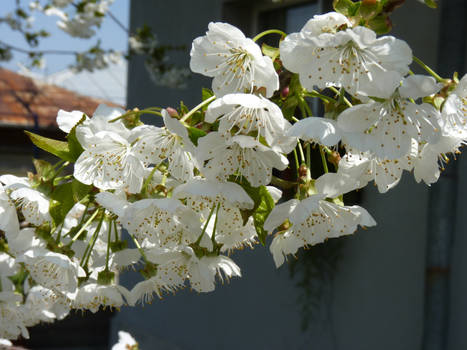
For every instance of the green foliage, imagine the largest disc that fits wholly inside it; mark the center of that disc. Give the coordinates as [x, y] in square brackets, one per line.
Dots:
[64, 197]
[263, 205]
[373, 14]
[57, 148]
[205, 94]
[44, 169]
[346, 7]
[431, 3]
[194, 134]
[74, 146]
[270, 51]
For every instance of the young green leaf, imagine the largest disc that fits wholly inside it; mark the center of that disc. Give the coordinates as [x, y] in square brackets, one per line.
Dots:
[56, 147]
[194, 134]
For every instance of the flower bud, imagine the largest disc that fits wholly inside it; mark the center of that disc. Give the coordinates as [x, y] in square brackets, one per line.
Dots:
[172, 112]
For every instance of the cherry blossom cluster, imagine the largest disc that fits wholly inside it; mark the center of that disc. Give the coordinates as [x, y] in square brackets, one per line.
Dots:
[174, 201]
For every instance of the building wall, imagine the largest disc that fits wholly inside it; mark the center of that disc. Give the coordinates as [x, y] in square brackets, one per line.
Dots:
[376, 300]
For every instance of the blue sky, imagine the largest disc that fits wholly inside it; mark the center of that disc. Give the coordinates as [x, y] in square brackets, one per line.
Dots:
[111, 35]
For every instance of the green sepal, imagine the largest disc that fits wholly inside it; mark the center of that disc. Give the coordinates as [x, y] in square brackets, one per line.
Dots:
[118, 246]
[105, 277]
[149, 270]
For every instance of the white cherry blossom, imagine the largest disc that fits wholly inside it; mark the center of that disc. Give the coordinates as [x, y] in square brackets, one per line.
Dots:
[154, 145]
[220, 203]
[319, 130]
[235, 62]
[109, 162]
[34, 205]
[11, 317]
[8, 218]
[241, 156]
[246, 113]
[387, 128]
[313, 220]
[386, 173]
[125, 341]
[53, 270]
[92, 296]
[165, 222]
[352, 58]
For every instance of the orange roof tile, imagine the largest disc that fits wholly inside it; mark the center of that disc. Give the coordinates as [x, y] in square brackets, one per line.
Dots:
[21, 97]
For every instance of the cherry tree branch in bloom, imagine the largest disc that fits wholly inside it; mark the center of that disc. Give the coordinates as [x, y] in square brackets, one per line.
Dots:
[189, 193]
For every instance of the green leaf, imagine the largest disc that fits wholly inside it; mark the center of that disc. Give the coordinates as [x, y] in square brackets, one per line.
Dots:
[369, 10]
[64, 197]
[270, 51]
[431, 3]
[206, 93]
[44, 169]
[346, 7]
[289, 106]
[194, 134]
[56, 147]
[79, 190]
[61, 202]
[73, 144]
[263, 204]
[183, 109]
[381, 24]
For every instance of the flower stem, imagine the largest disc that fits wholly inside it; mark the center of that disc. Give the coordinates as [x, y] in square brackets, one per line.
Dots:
[308, 156]
[150, 110]
[281, 183]
[314, 93]
[297, 163]
[428, 69]
[190, 113]
[270, 31]
[323, 159]
[347, 102]
[92, 242]
[205, 226]
[108, 246]
[81, 230]
[213, 237]
[117, 238]
[138, 246]
[300, 149]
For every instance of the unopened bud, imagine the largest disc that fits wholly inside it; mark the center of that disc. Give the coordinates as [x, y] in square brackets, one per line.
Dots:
[172, 111]
[285, 91]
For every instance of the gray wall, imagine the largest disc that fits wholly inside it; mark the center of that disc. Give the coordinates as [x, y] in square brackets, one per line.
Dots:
[377, 297]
